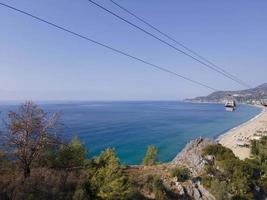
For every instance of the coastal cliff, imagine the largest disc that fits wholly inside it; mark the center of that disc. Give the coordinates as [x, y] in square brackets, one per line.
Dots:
[191, 155]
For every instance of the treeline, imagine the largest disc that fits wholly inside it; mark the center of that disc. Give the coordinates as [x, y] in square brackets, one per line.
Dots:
[228, 177]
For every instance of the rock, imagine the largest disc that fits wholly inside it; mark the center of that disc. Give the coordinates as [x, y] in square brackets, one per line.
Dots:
[191, 155]
[180, 188]
[197, 192]
[210, 158]
[205, 194]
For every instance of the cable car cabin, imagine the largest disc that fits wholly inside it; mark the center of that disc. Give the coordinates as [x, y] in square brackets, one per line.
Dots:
[230, 106]
[264, 102]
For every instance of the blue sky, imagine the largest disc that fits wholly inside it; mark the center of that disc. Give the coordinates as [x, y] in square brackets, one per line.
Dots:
[38, 62]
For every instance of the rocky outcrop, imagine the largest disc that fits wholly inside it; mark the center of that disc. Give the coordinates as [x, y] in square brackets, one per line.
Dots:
[198, 192]
[190, 189]
[191, 155]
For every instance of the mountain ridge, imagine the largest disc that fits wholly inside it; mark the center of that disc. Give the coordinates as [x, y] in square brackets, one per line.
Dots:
[251, 95]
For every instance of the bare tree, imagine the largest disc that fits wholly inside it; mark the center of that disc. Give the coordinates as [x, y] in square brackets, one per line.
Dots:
[29, 132]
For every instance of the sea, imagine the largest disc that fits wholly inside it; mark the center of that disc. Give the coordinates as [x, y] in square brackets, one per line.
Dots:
[130, 126]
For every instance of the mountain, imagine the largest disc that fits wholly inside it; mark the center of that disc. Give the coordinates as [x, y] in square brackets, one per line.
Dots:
[243, 96]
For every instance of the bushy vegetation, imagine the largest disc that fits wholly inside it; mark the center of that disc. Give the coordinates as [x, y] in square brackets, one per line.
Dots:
[220, 152]
[153, 184]
[181, 173]
[72, 155]
[217, 188]
[151, 156]
[259, 149]
[230, 178]
[106, 179]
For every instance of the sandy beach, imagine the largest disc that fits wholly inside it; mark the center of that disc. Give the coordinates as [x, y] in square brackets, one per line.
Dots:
[239, 137]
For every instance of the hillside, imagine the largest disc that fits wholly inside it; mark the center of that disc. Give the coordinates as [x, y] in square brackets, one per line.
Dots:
[248, 96]
[51, 169]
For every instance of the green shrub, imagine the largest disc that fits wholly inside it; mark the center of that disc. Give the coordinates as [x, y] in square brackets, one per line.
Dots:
[263, 183]
[151, 156]
[254, 147]
[71, 155]
[181, 173]
[108, 182]
[230, 176]
[47, 157]
[238, 197]
[219, 189]
[207, 181]
[259, 149]
[220, 152]
[107, 158]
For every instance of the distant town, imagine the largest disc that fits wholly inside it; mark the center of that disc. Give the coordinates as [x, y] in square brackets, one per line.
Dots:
[255, 96]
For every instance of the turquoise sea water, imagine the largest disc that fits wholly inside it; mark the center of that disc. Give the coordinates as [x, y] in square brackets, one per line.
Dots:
[130, 127]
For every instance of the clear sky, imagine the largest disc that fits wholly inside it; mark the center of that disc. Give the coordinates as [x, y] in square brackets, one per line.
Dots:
[38, 62]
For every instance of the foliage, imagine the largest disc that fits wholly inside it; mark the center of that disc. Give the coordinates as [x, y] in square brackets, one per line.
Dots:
[217, 188]
[107, 180]
[259, 149]
[229, 175]
[71, 155]
[220, 152]
[254, 148]
[47, 158]
[181, 173]
[151, 156]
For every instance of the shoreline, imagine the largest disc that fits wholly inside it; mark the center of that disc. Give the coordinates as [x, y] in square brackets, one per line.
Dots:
[219, 137]
[238, 138]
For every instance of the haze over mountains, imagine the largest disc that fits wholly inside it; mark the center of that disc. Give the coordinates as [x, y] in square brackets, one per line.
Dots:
[249, 95]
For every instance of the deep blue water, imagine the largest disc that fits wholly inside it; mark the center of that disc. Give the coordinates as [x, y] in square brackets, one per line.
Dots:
[130, 127]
